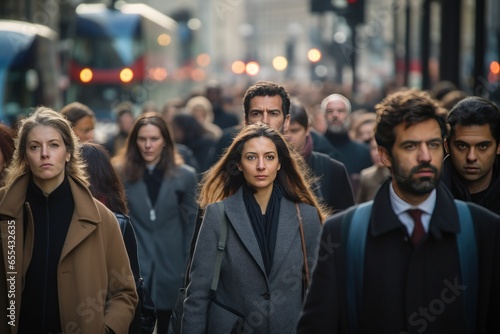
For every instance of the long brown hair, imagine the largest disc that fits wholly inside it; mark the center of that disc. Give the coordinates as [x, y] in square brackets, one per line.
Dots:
[132, 165]
[224, 179]
[104, 183]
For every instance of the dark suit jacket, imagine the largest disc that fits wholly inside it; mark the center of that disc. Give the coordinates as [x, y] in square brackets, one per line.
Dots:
[333, 186]
[406, 290]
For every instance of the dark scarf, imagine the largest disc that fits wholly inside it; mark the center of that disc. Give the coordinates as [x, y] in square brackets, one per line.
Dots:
[265, 226]
[153, 182]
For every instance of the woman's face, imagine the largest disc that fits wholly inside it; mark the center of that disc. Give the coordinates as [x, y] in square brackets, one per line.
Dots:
[259, 163]
[150, 143]
[84, 129]
[47, 155]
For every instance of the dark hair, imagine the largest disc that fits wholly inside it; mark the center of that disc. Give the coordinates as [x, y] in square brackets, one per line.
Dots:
[298, 113]
[75, 111]
[442, 88]
[266, 88]
[475, 110]
[134, 164]
[104, 183]
[190, 127]
[452, 98]
[224, 179]
[409, 107]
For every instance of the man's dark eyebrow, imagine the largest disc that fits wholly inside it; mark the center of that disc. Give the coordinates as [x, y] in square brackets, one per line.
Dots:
[432, 140]
[484, 142]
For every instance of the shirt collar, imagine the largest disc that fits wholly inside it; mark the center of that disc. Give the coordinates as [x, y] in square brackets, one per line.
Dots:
[399, 206]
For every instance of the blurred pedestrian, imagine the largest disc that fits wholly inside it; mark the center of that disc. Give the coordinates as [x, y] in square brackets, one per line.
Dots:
[201, 108]
[82, 119]
[124, 119]
[415, 276]
[6, 150]
[160, 193]
[71, 270]
[222, 118]
[363, 127]
[260, 287]
[355, 156]
[371, 178]
[332, 185]
[190, 132]
[108, 189]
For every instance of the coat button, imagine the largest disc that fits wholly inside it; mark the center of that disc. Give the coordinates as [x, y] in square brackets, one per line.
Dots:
[266, 295]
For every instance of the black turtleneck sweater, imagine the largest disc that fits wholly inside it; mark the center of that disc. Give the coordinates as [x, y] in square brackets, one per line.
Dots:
[355, 156]
[52, 217]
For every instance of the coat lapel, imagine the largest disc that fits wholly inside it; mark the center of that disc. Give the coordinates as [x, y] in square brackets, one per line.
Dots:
[84, 220]
[288, 231]
[238, 218]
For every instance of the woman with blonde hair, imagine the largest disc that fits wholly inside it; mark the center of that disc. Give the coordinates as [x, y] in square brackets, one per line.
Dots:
[69, 252]
[273, 225]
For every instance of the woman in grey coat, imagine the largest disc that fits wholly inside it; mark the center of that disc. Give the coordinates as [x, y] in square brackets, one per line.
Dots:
[261, 286]
[160, 193]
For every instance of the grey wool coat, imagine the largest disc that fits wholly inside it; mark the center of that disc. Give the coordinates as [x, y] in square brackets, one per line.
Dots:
[163, 244]
[246, 297]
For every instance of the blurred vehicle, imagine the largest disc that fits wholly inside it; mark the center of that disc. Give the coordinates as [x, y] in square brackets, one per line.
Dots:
[122, 52]
[29, 69]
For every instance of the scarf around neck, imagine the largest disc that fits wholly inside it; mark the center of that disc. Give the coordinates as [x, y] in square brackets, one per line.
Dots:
[265, 226]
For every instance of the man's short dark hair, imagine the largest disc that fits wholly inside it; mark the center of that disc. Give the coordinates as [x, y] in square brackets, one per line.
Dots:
[409, 107]
[298, 113]
[266, 88]
[475, 110]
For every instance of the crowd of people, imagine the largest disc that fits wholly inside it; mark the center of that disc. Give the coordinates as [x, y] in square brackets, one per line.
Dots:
[382, 219]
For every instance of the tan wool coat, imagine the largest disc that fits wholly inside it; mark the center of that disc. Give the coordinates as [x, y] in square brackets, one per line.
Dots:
[96, 288]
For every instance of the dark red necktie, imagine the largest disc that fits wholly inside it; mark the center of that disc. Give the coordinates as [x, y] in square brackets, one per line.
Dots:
[418, 230]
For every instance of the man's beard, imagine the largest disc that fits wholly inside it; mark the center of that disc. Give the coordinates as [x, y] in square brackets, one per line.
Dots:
[341, 128]
[417, 186]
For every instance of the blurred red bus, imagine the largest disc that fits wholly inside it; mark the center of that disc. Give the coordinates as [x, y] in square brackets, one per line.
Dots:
[127, 53]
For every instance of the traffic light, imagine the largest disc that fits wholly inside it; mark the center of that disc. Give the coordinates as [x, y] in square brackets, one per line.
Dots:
[352, 10]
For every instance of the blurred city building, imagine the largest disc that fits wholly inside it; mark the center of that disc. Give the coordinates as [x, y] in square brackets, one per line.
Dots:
[363, 48]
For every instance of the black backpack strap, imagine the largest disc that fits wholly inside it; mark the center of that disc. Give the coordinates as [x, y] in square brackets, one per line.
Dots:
[221, 245]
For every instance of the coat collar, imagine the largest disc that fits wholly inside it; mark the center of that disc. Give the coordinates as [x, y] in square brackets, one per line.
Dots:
[11, 204]
[444, 219]
[288, 229]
